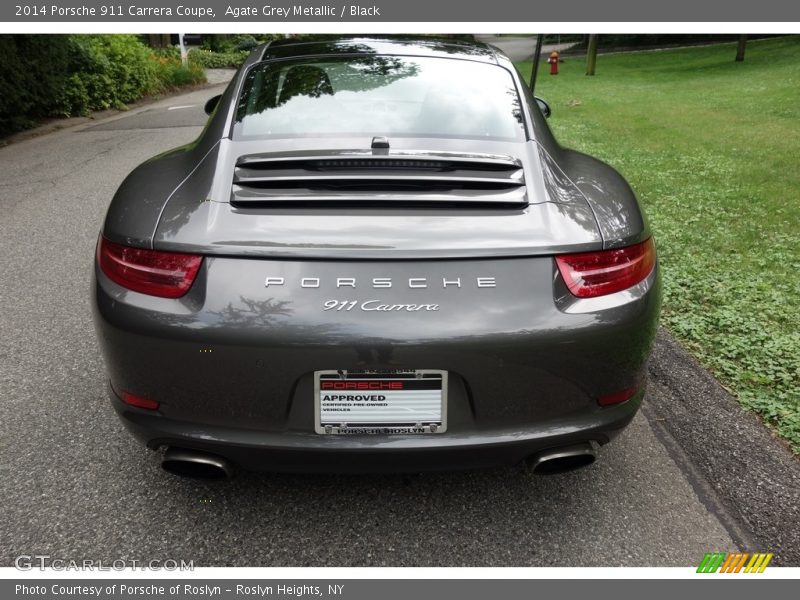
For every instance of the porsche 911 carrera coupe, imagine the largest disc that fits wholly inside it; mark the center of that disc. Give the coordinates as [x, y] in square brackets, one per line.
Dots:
[375, 257]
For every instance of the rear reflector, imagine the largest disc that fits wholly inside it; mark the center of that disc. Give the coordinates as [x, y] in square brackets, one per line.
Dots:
[153, 272]
[591, 274]
[138, 401]
[617, 397]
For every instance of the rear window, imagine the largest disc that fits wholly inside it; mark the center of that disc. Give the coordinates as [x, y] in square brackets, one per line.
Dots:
[379, 96]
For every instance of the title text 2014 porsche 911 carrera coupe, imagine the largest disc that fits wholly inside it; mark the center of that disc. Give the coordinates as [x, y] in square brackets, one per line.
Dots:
[375, 257]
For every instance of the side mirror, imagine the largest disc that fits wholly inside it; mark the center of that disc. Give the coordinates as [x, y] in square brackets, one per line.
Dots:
[211, 104]
[544, 107]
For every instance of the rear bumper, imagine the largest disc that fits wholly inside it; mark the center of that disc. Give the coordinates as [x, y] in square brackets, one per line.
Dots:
[232, 363]
[255, 450]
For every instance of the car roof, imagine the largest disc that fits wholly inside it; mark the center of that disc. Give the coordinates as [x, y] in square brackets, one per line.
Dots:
[440, 47]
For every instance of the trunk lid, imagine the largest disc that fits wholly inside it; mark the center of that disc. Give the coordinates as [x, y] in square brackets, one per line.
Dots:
[420, 198]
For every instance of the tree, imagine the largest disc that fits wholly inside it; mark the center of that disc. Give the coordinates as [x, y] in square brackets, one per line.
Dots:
[537, 55]
[158, 40]
[740, 48]
[591, 54]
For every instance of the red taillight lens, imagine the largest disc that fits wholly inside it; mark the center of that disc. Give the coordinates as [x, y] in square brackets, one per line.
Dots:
[617, 397]
[138, 401]
[592, 274]
[165, 274]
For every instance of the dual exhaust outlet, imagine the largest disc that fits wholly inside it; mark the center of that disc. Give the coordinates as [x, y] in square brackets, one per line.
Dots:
[563, 459]
[196, 465]
[202, 465]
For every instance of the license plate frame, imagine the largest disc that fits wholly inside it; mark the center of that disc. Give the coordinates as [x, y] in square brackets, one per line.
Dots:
[422, 420]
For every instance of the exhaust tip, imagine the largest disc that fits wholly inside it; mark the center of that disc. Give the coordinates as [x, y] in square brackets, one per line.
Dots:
[195, 465]
[561, 460]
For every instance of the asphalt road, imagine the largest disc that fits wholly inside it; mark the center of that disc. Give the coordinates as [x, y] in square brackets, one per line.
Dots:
[520, 47]
[75, 485]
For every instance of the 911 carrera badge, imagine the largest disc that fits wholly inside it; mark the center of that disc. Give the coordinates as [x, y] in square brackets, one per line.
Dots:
[377, 305]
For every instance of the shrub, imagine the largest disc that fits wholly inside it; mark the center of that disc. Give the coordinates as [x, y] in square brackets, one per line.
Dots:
[59, 75]
[220, 51]
[107, 71]
[217, 60]
[226, 43]
[171, 73]
[245, 42]
[33, 74]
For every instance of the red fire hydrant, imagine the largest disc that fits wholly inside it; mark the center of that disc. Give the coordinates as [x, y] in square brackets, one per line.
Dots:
[553, 60]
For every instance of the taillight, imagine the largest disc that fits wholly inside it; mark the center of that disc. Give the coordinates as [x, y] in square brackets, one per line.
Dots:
[591, 274]
[139, 401]
[164, 274]
[617, 397]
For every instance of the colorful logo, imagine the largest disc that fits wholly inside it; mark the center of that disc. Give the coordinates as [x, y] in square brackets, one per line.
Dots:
[723, 562]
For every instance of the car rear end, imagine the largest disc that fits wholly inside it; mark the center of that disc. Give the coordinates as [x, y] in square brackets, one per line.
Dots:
[233, 367]
[408, 304]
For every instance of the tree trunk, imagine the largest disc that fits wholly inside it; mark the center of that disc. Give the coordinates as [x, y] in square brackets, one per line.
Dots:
[215, 41]
[740, 48]
[159, 40]
[591, 54]
[537, 56]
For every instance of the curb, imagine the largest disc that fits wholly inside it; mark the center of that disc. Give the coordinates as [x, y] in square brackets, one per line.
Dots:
[746, 475]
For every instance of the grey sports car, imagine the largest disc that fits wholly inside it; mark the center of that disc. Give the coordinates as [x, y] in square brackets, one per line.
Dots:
[375, 257]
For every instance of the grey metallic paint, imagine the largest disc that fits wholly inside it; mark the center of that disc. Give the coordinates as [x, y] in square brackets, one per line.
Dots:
[527, 360]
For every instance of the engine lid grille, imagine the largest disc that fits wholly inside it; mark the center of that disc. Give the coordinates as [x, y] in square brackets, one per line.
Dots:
[419, 179]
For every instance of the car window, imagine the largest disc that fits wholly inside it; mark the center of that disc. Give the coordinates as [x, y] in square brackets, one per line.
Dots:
[379, 95]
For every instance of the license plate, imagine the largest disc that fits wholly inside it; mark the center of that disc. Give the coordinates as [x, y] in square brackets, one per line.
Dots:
[381, 402]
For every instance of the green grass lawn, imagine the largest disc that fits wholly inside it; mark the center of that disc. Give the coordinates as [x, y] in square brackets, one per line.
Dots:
[712, 148]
